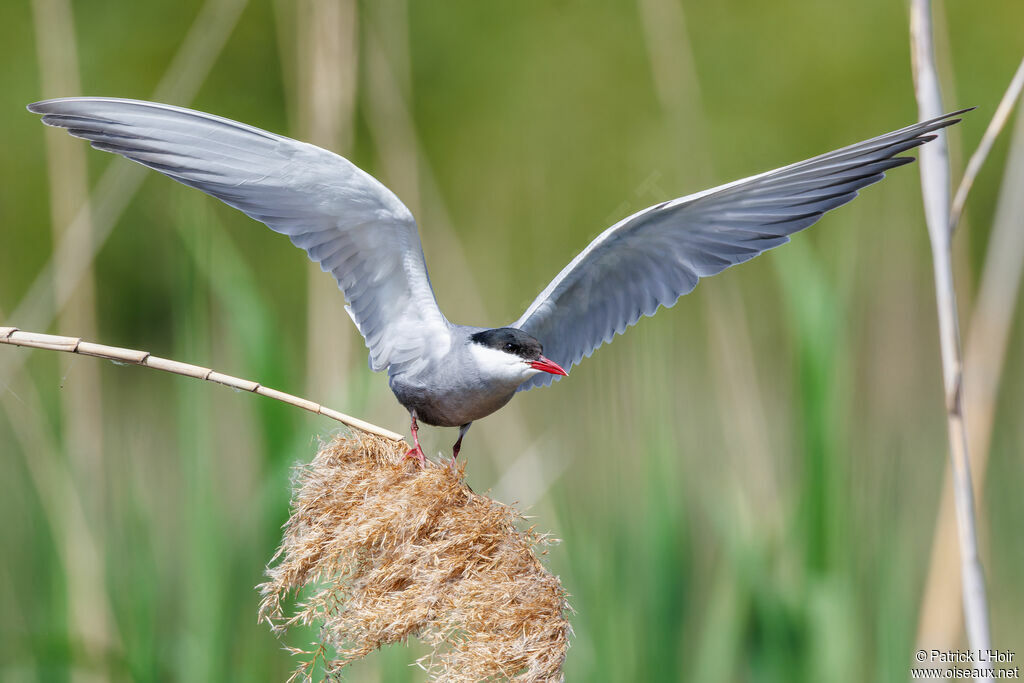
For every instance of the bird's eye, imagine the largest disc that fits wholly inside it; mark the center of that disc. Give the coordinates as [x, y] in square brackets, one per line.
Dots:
[508, 347]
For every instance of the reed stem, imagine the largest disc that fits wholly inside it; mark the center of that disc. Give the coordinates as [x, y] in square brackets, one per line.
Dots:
[51, 342]
[935, 187]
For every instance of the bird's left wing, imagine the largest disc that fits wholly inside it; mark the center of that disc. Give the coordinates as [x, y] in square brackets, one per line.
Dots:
[657, 255]
[345, 220]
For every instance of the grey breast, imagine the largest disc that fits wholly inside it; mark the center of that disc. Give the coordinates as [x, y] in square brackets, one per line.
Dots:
[451, 392]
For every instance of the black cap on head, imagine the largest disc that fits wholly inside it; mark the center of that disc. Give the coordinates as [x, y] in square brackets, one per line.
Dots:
[510, 340]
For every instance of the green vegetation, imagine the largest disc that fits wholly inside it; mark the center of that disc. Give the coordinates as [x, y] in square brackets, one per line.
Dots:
[746, 485]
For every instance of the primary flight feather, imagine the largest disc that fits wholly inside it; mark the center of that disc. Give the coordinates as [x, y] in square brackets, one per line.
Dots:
[448, 374]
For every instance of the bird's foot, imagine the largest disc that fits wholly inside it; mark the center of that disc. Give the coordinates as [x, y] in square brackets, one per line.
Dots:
[416, 453]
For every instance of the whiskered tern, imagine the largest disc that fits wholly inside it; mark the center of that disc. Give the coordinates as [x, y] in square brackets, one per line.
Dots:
[446, 374]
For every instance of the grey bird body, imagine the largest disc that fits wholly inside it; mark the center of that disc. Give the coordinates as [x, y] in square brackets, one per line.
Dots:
[454, 391]
[357, 230]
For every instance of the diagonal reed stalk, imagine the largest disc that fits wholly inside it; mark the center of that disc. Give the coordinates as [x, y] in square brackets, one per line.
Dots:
[935, 186]
[995, 126]
[16, 337]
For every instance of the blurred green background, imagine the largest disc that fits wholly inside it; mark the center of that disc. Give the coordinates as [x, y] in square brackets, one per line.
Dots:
[747, 485]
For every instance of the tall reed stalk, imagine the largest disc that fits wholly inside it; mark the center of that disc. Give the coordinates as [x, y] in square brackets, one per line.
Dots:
[988, 334]
[90, 617]
[327, 43]
[935, 185]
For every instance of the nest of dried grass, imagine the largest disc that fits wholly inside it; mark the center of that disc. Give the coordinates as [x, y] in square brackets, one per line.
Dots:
[388, 551]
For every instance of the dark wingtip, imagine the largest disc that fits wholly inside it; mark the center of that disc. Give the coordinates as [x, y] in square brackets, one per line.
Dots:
[948, 120]
[949, 115]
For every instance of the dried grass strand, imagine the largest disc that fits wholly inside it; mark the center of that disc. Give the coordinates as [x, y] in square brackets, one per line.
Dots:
[383, 551]
[977, 160]
[52, 342]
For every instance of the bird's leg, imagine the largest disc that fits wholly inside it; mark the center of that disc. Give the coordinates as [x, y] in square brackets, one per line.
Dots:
[458, 444]
[416, 453]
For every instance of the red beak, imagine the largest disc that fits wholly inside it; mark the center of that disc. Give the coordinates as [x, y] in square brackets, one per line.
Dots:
[548, 365]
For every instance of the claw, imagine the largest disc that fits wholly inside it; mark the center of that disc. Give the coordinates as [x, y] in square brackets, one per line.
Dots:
[416, 453]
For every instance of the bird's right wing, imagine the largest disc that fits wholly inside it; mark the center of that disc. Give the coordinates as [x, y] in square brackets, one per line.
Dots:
[347, 222]
[655, 256]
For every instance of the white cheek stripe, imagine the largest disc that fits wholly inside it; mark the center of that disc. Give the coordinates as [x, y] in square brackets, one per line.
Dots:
[500, 365]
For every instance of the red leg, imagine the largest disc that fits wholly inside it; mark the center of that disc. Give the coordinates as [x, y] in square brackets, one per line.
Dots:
[416, 453]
